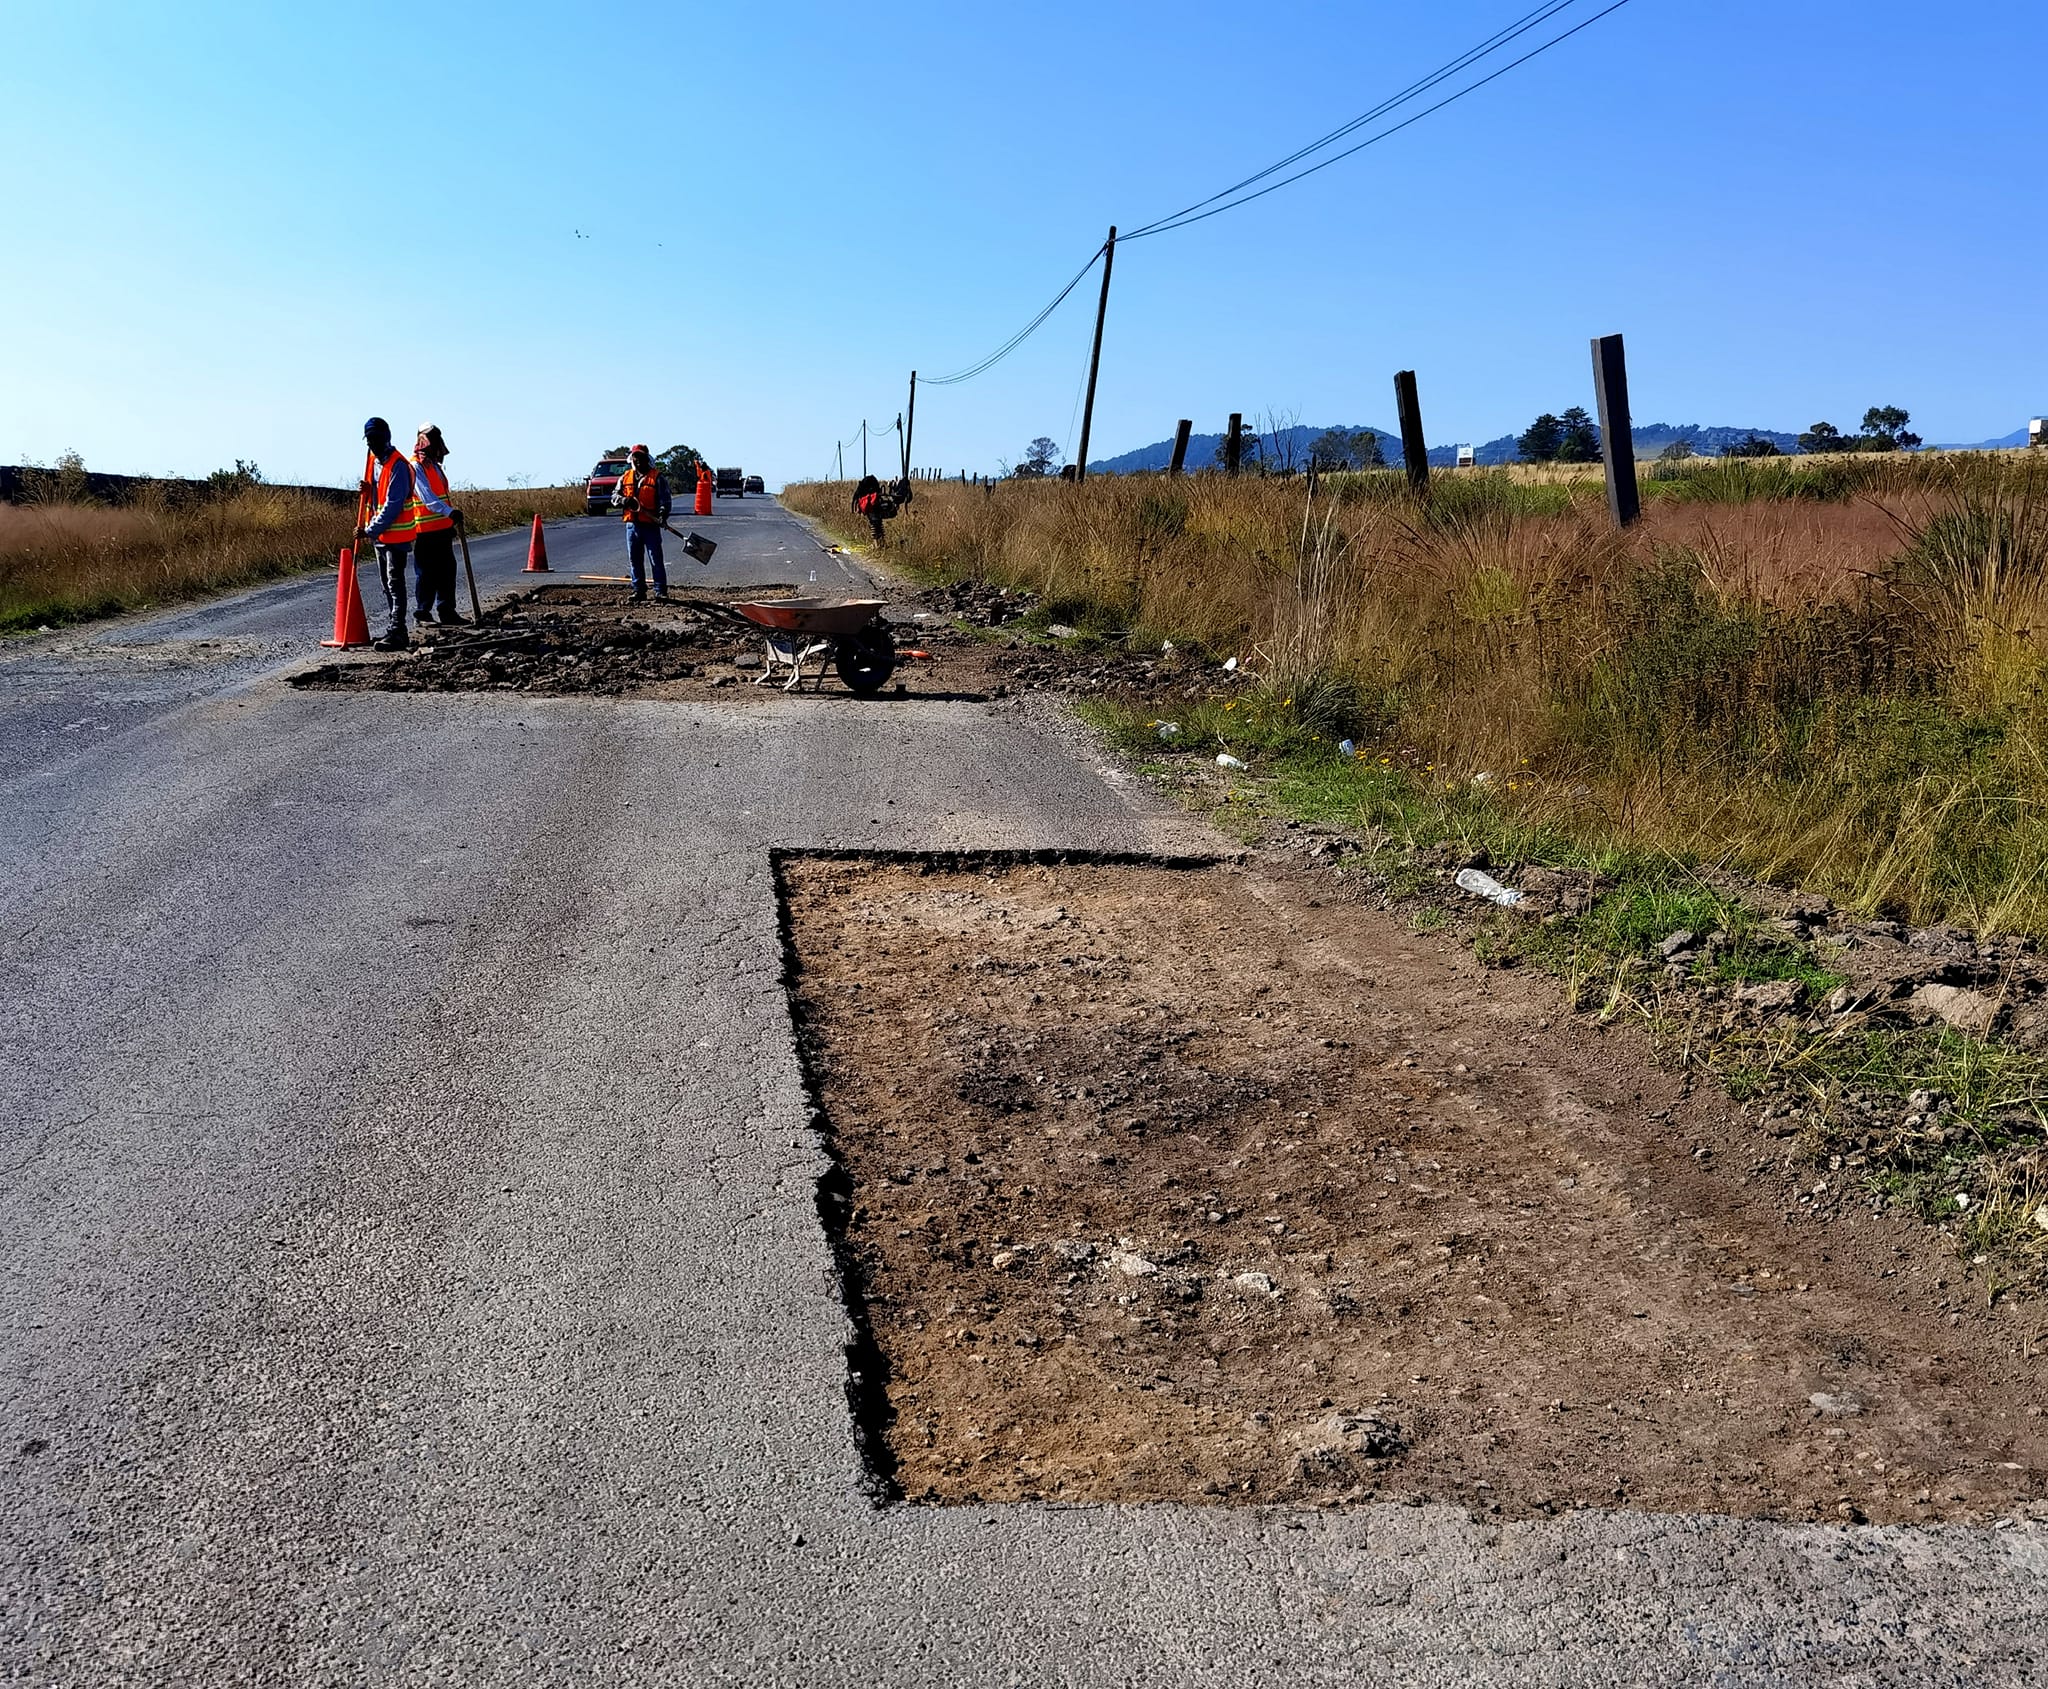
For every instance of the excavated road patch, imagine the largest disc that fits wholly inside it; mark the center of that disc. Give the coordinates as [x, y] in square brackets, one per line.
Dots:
[586, 637]
[1187, 1184]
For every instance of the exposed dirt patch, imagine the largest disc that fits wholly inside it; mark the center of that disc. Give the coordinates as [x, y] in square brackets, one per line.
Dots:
[565, 637]
[589, 637]
[1198, 1184]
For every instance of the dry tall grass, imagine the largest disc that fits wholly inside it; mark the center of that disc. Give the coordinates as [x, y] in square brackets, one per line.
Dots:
[1838, 682]
[67, 560]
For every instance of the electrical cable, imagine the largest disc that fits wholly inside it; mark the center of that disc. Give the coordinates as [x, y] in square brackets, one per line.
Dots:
[1471, 56]
[1180, 221]
[1233, 196]
[1023, 334]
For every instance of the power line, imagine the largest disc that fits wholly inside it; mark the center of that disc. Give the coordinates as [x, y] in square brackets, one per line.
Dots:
[1023, 334]
[1234, 196]
[1181, 220]
[1471, 56]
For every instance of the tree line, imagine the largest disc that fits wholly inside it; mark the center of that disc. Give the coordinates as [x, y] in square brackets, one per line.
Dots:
[1570, 436]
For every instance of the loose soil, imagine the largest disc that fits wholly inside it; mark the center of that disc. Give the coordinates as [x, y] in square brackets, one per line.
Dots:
[589, 637]
[1209, 1185]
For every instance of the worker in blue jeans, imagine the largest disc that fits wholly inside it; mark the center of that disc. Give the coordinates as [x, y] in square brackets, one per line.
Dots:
[642, 493]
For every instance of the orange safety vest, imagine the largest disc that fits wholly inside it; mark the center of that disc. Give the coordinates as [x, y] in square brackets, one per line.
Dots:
[401, 531]
[426, 521]
[641, 495]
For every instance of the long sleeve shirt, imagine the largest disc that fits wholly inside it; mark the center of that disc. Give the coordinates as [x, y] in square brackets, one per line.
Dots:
[662, 503]
[433, 503]
[396, 497]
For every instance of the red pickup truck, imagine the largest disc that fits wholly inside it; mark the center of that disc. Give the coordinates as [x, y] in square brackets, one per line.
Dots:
[597, 496]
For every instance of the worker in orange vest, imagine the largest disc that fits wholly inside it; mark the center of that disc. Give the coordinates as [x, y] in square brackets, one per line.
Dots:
[704, 489]
[390, 525]
[642, 493]
[437, 520]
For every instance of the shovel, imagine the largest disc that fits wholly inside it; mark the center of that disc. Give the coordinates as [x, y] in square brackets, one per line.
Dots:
[476, 610]
[695, 545]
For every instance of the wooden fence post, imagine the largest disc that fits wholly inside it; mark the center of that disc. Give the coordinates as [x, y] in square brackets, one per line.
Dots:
[1414, 446]
[1180, 445]
[1617, 442]
[1233, 447]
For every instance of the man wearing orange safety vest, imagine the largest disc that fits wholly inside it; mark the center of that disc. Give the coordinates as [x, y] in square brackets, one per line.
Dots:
[433, 546]
[642, 493]
[390, 524]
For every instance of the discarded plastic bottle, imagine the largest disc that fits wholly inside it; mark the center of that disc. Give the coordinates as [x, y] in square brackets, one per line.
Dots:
[1486, 886]
[1345, 748]
[1169, 729]
[1225, 760]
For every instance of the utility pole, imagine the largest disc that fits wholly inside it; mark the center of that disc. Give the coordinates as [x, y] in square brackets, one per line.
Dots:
[910, 424]
[839, 457]
[1233, 447]
[1414, 446]
[863, 448]
[1180, 445]
[1095, 356]
[902, 441]
[1617, 443]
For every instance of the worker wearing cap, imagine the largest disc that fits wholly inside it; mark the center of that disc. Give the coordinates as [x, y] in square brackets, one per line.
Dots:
[642, 494]
[436, 520]
[390, 524]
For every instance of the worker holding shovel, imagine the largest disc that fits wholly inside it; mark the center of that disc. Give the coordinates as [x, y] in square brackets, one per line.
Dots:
[642, 493]
[433, 550]
[390, 524]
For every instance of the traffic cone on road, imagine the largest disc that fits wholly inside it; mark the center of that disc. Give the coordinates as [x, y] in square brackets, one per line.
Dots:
[350, 626]
[703, 507]
[537, 549]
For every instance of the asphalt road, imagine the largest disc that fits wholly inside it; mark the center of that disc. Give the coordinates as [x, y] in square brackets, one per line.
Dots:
[410, 1270]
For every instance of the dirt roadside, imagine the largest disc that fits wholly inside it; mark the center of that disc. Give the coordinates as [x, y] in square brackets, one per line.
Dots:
[1219, 1185]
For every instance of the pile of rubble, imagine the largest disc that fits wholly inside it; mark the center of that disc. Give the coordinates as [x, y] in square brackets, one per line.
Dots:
[526, 648]
[980, 603]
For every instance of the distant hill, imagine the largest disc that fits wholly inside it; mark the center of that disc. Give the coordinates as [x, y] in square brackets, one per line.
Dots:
[2018, 437]
[1202, 450]
[1650, 439]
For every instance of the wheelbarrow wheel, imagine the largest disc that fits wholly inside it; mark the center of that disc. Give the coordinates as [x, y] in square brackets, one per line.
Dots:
[866, 659]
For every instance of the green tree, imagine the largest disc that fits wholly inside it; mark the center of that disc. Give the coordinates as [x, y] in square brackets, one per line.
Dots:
[1580, 439]
[1538, 442]
[1885, 430]
[1041, 458]
[1247, 447]
[1753, 445]
[1339, 448]
[1825, 437]
[1677, 452]
[1331, 449]
[679, 464]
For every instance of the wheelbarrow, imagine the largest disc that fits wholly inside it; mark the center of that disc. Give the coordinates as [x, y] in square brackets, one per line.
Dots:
[844, 634]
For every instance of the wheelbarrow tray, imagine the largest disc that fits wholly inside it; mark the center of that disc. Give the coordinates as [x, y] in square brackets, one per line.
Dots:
[827, 618]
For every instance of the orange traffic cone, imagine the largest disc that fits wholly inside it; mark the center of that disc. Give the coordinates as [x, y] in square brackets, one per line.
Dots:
[703, 491]
[537, 549]
[350, 627]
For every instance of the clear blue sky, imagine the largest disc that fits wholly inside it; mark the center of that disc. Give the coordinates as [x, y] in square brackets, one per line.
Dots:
[236, 230]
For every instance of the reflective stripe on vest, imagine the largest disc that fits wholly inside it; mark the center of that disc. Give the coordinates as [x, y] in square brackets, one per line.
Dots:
[402, 530]
[426, 521]
[642, 496]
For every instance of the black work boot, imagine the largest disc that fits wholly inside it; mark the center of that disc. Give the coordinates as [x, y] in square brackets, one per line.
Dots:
[395, 640]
